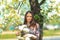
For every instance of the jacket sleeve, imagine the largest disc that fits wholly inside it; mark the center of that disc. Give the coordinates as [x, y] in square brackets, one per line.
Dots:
[38, 29]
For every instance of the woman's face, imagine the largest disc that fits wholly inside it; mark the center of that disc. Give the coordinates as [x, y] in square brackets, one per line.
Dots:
[29, 17]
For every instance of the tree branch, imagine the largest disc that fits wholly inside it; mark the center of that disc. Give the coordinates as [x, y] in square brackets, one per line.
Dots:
[42, 2]
[19, 6]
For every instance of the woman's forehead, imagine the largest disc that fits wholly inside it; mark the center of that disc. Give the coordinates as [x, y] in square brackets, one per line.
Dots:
[29, 14]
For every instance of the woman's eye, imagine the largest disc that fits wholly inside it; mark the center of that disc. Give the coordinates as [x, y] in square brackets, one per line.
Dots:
[29, 16]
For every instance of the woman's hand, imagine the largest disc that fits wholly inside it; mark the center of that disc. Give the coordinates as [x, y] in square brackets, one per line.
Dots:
[17, 33]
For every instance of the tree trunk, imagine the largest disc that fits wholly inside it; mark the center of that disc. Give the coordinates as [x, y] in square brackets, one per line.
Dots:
[35, 8]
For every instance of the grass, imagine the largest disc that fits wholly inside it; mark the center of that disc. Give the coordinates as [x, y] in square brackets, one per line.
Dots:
[7, 36]
[45, 33]
[51, 32]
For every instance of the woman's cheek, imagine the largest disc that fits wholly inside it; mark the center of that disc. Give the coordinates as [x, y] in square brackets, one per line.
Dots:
[28, 19]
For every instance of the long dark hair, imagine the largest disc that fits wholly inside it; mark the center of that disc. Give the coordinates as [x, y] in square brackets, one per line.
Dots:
[25, 21]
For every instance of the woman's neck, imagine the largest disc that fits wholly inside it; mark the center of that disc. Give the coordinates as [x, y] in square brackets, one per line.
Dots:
[28, 24]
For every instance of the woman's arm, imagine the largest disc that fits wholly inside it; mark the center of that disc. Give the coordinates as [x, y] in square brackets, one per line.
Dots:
[38, 30]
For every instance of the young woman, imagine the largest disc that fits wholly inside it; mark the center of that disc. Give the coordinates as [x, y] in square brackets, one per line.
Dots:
[32, 25]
